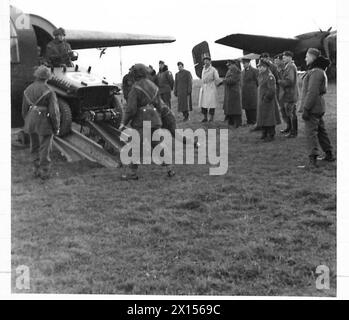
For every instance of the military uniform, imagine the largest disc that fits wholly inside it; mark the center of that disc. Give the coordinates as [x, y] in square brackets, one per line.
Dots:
[42, 119]
[141, 106]
[127, 83]
[182, 90]
[249, 93]
[289, 86]
[58, 53]
[279, 95]
[313, 107]
[165, 83]
[232, 96]
[268, 113]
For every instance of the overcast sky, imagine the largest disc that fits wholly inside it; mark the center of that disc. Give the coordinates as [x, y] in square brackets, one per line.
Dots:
[190, 22]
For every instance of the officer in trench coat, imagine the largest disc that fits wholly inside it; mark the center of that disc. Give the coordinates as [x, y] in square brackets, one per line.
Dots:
[268, 114]
[182, 90]
[232, 94]
[249, 91]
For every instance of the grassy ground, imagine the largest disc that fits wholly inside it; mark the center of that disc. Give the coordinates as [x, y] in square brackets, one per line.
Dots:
[261, 229]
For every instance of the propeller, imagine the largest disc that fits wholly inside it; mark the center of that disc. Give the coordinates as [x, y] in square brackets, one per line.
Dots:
[329, 30]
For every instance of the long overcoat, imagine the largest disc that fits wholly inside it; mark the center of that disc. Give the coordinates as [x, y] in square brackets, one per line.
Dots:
[267, 110]
[232, 92]
[249, 88]
[182, 90]
[208, 97]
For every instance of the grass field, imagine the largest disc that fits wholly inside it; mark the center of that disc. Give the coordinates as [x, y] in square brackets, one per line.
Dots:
[261, 229]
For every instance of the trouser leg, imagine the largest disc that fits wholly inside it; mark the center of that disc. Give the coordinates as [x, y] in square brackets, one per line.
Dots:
[324, 140]
[35, 152]
[185, 115]
[166, 162]
[271, 132]
[285, 117]
[264, 132]
[204, 111]
[294, 120]
[311, 132]
[166, 97]
[283, 112]
[291, 113]
[252, 116]
[45, 150]
[211, 112]
[236, 120]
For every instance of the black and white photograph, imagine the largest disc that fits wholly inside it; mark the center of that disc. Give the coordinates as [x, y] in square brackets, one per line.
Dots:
[163, 148]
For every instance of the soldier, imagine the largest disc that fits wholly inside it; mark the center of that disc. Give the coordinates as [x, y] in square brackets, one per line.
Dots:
[127, 83]
[41, 116]
[249, 91]
[289, 86]
[272, 66]
[208, 96]
[267, 106]
[58, 51]
[142, 104]
[232, 94]
[280, 92]
[313, 107]
[182, 90]
[165, 83]
[152, 75]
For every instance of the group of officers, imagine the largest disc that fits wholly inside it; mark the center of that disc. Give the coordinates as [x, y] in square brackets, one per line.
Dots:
[261, 93]
[181, 86]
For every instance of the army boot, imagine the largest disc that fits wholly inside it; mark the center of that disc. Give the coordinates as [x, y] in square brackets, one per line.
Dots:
[329, 157]
[185, 116]
[288, 127]
[264, 133]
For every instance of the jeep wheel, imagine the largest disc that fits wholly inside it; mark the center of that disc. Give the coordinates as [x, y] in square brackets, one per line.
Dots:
[66, 118]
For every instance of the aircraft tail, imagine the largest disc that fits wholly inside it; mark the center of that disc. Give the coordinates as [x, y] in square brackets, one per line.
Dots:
[202, 50]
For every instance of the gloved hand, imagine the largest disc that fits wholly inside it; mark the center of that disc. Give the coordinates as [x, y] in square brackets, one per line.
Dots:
[306, 115]
[57, 132]
[122, 127]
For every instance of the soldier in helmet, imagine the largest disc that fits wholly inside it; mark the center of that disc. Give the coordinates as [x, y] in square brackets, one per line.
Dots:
[127, 83]
[41, 115]
[142, 104]
[58, 51]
